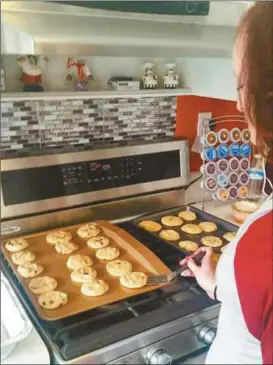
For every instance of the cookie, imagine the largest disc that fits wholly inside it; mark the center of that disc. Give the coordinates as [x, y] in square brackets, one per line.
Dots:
[98, 242]
[16, 245]
[107, 253]
[229, 236]
[150, 226]
[187, 216]
[89, 230]
[211, 241]
[95, 289]
[192, 229]
[52, 299]
[30, 270]
[119, 267]
[58, 237]
[133, 280]
[83, 275]
[79, 262]
[66, 248]
[42, 284]
[23, 257]
[171, 221]
[188, 245]
[208, 227]
[169, 235]
[222, 249]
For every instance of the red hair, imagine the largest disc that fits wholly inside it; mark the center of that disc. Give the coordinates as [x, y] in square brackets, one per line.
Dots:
[256, 30]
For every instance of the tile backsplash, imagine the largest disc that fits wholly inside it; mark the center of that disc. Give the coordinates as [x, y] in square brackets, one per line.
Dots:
[35, 127]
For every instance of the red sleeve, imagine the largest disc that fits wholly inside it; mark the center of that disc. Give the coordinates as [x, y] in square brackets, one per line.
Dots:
[267, 330]
[253, 274]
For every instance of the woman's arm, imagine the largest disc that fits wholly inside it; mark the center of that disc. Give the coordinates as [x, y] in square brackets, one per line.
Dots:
[267, 329]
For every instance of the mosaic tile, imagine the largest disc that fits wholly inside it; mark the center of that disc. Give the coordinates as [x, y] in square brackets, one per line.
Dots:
[35, 127]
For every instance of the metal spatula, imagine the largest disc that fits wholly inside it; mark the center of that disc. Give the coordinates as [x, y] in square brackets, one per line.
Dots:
[162, 279]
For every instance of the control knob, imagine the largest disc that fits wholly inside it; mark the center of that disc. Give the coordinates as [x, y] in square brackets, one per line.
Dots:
[158, 356]
[207, 334]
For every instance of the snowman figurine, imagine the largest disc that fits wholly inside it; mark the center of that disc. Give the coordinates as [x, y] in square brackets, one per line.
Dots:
[32, 68]
[149, 79]
[171, 79]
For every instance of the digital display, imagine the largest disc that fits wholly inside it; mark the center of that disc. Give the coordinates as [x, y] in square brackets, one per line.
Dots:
[21, 186]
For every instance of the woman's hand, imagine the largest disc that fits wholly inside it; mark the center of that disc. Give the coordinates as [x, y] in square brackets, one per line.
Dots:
[204, 274]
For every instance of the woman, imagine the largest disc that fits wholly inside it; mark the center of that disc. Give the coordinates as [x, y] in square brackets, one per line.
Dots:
[243, 279]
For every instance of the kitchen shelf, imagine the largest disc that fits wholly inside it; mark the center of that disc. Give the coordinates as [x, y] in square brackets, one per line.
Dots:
[99, 94]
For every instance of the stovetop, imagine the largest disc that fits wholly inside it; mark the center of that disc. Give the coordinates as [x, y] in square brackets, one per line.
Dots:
[75, 336]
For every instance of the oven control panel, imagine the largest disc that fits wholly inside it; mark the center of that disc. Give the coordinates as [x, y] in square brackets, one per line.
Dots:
[94, 175]
[114, 172]
[72, 174]
[118, 172]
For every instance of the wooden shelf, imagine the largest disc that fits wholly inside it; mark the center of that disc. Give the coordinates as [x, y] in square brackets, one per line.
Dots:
[99, 94]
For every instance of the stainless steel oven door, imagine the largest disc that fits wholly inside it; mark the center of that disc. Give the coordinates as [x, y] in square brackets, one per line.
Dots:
[196, 358]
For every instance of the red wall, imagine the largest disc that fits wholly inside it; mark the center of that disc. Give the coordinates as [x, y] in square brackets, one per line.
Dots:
[188, 108]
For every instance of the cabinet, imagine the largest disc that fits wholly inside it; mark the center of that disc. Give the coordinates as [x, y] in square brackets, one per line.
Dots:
[210, 77]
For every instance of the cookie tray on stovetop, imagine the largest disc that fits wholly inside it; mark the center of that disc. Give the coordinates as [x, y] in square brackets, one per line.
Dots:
[54, 265]
[201, 216]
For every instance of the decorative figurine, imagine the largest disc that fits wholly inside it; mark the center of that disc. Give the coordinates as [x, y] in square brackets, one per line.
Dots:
[149, 79]
[80, 73]
[32, 68]
[171, 79]
[3, 82]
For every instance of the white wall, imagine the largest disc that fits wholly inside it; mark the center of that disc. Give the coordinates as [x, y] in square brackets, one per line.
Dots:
[210, 77]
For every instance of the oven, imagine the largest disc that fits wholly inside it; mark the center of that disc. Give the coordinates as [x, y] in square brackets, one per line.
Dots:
[40, 193]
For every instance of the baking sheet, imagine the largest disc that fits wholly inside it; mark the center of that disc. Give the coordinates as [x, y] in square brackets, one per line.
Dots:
[222, 227]
[54, 265]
